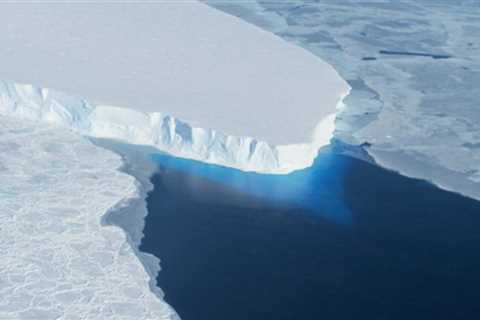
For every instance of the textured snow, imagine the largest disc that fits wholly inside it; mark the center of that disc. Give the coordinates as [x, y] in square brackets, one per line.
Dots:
[419, 115]
[58, 261]
[203, 68]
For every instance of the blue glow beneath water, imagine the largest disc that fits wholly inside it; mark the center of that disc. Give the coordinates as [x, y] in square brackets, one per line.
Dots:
[232, 248]
[317, 189]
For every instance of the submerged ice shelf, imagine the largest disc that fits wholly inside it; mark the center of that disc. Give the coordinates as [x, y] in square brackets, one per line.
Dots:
[193, 81]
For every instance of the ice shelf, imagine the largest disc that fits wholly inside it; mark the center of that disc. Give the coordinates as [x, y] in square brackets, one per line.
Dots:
[180, 76]
[417, 112]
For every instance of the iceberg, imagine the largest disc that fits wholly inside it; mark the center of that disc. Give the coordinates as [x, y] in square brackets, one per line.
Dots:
[182, 77]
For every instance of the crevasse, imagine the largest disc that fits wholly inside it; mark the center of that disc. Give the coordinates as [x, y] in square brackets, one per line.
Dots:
[163, 132]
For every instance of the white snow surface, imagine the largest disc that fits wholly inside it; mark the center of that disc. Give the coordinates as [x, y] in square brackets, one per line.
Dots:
[58, 261]
[198, 82]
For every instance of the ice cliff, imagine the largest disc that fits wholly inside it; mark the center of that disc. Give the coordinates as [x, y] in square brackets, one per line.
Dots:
[164, 132]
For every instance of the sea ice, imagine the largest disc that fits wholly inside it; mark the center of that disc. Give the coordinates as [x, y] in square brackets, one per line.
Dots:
[58, 260]
[418, 115]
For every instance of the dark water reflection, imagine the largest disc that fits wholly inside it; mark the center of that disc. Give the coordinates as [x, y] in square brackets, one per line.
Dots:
[342, 240]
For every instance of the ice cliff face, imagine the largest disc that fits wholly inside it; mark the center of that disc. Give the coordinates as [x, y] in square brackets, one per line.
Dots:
[164, 132]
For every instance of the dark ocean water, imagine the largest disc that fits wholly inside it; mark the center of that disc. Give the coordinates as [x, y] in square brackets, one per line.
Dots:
[341, 240]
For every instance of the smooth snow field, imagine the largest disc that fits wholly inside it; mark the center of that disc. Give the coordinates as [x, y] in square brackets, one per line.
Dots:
[237, 92]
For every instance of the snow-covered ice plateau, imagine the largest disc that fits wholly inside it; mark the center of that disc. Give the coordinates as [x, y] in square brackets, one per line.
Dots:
[180, 76]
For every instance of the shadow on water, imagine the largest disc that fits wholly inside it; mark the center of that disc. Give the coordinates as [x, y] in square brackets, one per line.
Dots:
[232, 247]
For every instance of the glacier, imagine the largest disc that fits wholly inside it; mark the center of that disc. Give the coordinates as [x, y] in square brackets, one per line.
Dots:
[180, 76]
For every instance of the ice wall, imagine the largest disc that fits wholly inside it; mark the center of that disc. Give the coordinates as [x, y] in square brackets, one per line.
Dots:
[164, 132]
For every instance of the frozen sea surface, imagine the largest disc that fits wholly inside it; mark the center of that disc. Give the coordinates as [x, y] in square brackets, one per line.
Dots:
[58, 260]
[420, 115]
